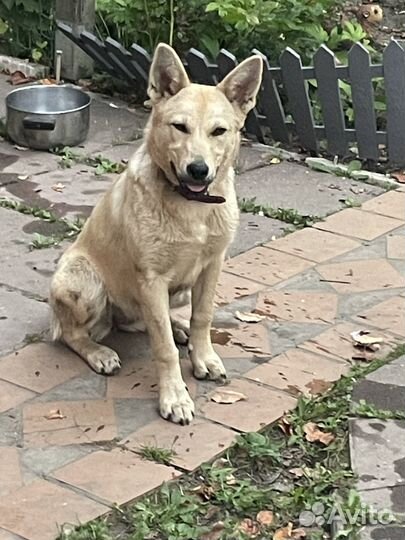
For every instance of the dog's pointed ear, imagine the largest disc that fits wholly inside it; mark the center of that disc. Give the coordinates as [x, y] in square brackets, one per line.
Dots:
[167, 74]
[242, 84]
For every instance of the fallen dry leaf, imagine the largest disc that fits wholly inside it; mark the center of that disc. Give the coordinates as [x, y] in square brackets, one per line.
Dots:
[227, 397]
[265, 517]
[20, 148]
[23, 177]
[297, 471]
[363, 338]
[47, 82]
[230, 479]
[55, 414]
[206, 492]
[318, 386]
[220, 337]
[275, 160]
[249, 527]
[314, 434]
[59, 187]
[248, 317]
[399, 176]
[215, 533]
[285, 426]
[289, 533]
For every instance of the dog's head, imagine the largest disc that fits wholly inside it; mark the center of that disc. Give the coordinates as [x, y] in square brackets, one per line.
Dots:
[193, 134]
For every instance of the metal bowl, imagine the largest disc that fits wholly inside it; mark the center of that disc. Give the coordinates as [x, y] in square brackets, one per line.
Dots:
[44, 117]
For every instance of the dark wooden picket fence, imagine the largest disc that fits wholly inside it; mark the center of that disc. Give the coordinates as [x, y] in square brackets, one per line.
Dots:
[284, 107]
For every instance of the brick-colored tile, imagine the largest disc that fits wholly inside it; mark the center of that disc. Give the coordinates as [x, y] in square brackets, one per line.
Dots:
[138, 380]
[128, 475]
[336, 342]
[396, 247]
[314, 245]
[262, 407]
[193, 445]
[298, 306]
[388, 316]
[84, 422]
[358, 224]
[244, 341]
[41, 366]
[390, 204]
[293, 370]
[230, 288]
[37, 511]
[12, 395]
[266, 265]
[350, 277]
[10, 473]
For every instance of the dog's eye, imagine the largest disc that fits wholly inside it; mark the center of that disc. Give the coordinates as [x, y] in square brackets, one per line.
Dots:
[181, 127]
[218, 131]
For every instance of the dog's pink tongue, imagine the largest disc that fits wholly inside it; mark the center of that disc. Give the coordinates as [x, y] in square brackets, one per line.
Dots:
[196, 189]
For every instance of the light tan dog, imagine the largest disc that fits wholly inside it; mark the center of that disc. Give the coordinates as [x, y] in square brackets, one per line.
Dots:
[157, 234]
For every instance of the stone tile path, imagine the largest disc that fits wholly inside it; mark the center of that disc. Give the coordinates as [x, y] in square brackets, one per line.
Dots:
[70, 439]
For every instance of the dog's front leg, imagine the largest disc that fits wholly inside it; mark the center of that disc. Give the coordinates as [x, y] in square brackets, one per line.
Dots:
[206, 362]
[175, 403]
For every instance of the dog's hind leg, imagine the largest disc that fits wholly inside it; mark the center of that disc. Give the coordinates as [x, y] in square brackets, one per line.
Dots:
[81, 314]
[180, 327]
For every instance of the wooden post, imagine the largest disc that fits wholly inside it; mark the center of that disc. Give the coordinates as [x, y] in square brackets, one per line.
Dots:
[80, 15]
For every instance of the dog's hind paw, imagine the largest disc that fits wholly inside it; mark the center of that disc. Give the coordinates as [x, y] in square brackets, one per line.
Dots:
[104, 361]
[176, 405]
[181, 331]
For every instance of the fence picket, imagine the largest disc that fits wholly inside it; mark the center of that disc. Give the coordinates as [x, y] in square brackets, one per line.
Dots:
[122, 58]
[330, 99]
[198, 68]
[96, 50]
[142, 59]
[226, 62]
[363, 102]
[297, 93]
[271, 103]
[394, 77]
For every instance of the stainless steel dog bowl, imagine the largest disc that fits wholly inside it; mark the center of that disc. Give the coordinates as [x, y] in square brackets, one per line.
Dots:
[44, 117]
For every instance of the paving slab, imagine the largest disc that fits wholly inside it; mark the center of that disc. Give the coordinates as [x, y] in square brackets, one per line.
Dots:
[289, 185]
[383, 533]
[255, 230]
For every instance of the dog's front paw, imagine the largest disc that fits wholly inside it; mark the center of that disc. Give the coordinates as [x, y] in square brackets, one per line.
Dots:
[210, 367]
[104, 361]
[176, 405]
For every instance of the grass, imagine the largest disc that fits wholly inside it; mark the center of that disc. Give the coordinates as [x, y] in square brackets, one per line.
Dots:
[288, 215]
[368, 410]
[101, 164]
[70, 228]
[156, 454]
[277, 472]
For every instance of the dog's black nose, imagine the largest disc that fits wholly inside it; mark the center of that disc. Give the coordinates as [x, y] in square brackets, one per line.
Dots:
[198, 170]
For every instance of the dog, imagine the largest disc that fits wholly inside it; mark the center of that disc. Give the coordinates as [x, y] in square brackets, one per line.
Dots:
[158, 237]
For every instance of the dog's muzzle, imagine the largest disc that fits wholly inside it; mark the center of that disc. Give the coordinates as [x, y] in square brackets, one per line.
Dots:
[194, 189]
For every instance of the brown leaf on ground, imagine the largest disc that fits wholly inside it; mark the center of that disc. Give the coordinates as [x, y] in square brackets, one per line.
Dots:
[18, 77]
[285, 426]
[294, 390]
[318, 386]
[297, 471]
[314, 434]
[399, 176]
[265, 517]
[249, 527]
[47, 82]
[59, 187]
[220, 337]
[55, 414]
[227, 397]
[215, 533]
[364, 339]
[248, 317]
[289, 533]
[206, 492]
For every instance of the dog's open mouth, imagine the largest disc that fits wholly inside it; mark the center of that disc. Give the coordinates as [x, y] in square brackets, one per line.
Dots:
[195, 192]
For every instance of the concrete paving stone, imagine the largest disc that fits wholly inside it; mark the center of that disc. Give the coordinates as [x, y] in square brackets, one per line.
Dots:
[396, 247]
[350, 277]
[314, 245]
[390, 532]
[291, 185]
[89, 385]
[391, 204]
[191, 445]
[261, 407]
[230, 288]
[295, 370]
[309, 280]
[401, 189]
[377, 452]
[25, 163]
[41, 366]
[284, 336]
[12, 395]
[6, 535]
[137, 379]
[82, 422]
[19, 317]
[10, 428]
[298, 306]
[37, 511]
[358, 224]
[10, 472]
[7, 178]
[352, 304]
[388, 315]
[385, 501]
[244, 341]
[128, 476]
[369, 249]
[252, 158]
[254, 230]
[392, 373]
[336, 342]
[119, 153]
[133, 414]
[266, 265]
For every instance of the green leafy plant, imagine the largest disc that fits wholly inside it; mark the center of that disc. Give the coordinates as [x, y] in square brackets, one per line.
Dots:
[156, 454]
